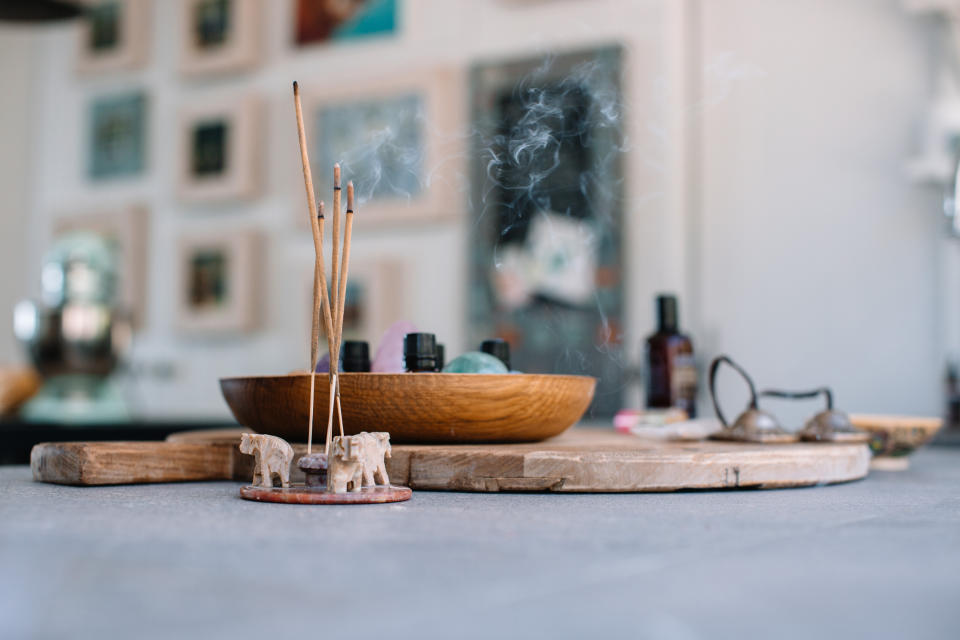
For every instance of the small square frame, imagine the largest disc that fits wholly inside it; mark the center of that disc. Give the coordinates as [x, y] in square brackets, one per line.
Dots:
[240, 313]
[241, 178]
[443, 187]
[240, 52]
[128, 225]
[132, 50]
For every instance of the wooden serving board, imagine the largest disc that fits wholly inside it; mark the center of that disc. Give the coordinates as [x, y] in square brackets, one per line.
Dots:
[581, 460]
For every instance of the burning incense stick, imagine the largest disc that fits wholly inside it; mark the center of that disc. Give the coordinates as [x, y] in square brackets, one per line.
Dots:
[342, 296]
[335, 257]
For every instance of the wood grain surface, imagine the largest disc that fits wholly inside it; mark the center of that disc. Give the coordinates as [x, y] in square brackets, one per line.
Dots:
[581, 460]
[96, 463]
[418, 407]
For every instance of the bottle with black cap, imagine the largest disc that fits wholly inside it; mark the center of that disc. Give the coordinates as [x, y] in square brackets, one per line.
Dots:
[356, 356]
[420, 352]
[497, 348]
[671, 371]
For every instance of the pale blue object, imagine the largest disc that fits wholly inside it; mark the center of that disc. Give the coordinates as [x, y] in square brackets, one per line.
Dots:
[475, 362]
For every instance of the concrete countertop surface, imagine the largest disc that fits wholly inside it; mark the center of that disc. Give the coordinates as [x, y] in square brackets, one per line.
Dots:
[877, 558]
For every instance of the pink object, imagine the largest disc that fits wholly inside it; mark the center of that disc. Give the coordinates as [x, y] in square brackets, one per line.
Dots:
[389, 356]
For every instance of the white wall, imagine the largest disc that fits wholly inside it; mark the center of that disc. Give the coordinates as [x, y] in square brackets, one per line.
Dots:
[15, 153]
[819, 260]
[763, 180]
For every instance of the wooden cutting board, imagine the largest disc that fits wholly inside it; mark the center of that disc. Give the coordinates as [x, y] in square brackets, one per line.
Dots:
[581, 460]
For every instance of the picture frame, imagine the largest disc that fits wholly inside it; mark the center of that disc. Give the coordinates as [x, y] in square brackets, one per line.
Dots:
[218, 282]
[127, 227]
[546, 255]
[219, 36]
[220, 151]
[327, 22]
[114, 35]
[117, 136]
[376, 298]
[409, 163]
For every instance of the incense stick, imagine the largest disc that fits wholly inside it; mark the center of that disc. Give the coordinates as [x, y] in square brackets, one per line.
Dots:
[311, 208]
[335, 257]
[321, 308]
[320, 280]
[342, 297]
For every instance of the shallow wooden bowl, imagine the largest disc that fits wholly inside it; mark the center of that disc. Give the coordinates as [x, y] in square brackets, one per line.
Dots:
[416, 407]
[893, 438]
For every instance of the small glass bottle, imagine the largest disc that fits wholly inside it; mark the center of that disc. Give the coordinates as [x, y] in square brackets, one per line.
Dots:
[420, 352]
[671, 370]
[498, 348]
[355, 357]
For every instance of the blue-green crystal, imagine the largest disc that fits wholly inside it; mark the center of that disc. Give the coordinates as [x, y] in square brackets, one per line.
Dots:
[475, 362]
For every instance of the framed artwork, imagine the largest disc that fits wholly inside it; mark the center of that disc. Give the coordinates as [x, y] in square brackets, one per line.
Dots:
[218, 282]
[219, 35]
[117, 136]
[325, 21]
[219, 153]
[126, 229]
[546, 258]
[398, 139]
[114, 35]
[376, 298]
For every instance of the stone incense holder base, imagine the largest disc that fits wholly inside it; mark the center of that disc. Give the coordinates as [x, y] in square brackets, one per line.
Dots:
[302, 494]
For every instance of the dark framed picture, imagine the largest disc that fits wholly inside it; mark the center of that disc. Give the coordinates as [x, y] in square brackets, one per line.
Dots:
[117, 136]
[219, 150]
[220, 35]
[546, 261]
[114, 35]
[219, 282]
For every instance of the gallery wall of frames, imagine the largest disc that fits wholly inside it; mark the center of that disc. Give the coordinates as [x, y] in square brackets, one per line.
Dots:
[169, 127]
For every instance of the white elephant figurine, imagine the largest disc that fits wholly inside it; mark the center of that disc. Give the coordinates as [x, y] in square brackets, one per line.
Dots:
[272, 455]
[376, 450]
[345, 465]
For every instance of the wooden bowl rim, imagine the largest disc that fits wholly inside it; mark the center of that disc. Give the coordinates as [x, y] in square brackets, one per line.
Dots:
[511, 376]
[887, 422]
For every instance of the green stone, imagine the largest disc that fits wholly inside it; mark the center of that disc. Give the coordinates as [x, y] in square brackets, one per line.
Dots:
[475, 362]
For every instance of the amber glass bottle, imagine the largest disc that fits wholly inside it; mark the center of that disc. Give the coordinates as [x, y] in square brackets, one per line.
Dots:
[671, 372]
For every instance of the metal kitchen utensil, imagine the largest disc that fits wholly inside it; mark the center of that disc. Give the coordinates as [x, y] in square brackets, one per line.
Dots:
[754, 424]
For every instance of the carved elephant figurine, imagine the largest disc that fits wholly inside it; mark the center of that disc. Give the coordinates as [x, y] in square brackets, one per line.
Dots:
[376, 450]
[272, 455]
[345, 464]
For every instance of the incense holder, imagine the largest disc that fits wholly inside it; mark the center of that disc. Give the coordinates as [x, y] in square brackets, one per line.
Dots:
[355, 472]
[300, 494]
[314, 467]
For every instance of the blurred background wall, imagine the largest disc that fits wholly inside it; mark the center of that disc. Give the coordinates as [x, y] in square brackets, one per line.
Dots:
[764, 183]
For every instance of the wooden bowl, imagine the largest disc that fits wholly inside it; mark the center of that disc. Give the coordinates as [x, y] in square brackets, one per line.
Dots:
[416, 407]
[893, 438]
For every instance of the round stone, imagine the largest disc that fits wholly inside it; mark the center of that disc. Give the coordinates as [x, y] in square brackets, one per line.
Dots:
[475, 362]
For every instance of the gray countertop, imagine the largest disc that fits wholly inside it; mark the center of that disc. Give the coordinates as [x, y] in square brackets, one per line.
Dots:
[875, 558]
